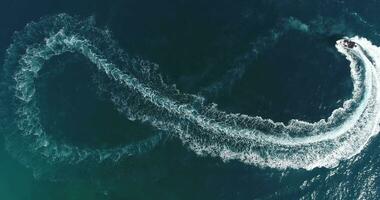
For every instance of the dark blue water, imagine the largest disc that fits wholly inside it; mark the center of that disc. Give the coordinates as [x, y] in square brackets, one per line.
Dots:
[274, 59]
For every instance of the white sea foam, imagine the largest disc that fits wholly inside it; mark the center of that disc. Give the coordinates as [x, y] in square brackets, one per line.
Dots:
[262, 43]
[138, 91]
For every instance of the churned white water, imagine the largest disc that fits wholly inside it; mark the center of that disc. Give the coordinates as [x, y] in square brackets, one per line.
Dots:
[137, 90]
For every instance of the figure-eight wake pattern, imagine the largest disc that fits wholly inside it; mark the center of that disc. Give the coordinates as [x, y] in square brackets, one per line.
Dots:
[138, 92]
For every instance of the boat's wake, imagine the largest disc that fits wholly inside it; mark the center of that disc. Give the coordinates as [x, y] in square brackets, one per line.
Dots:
[137, 90]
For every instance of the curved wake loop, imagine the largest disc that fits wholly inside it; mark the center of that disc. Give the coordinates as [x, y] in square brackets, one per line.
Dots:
[137, 90]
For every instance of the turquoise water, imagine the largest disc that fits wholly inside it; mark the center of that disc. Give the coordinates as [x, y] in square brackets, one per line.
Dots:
[118, 138]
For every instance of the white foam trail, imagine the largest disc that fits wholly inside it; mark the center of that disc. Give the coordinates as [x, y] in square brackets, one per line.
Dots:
[139, 92]
[262, 43]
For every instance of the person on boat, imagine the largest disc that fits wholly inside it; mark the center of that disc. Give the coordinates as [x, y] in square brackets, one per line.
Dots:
[349, 44]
